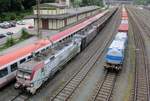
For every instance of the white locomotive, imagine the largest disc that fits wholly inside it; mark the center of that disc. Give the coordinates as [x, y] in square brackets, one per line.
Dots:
[32, 74]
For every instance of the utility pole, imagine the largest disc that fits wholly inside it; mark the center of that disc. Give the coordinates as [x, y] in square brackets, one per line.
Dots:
[104, 3]
[38, 18]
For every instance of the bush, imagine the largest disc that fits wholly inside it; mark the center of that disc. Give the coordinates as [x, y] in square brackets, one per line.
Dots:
[7, 16]
[24, 34]
[10, 42]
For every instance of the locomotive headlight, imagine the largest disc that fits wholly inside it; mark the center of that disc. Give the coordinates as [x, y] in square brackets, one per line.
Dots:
[31, 84]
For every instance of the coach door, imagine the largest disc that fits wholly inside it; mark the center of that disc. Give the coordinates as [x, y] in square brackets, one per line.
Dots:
[44, 23]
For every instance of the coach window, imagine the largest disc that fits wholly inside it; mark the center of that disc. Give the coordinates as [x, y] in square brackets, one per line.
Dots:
[29, 57]
[3, 72]
[13, 67]
[37, 53]
[23, 60]
[42, 50]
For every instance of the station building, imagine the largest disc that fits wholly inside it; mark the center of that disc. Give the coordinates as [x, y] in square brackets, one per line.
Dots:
[54, 16]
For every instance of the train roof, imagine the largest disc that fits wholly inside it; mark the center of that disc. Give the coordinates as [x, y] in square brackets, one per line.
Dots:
[29, 65]
[117, 44]
[124, 21]
[121, 35]
[123, 28]
[44, 57]
[8, 58]
[11, 57]
[114, 52]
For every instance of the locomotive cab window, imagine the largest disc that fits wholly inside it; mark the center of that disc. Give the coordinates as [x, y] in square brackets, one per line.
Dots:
[24, 74]
[3, 72]
[13, 67]
[52, 58]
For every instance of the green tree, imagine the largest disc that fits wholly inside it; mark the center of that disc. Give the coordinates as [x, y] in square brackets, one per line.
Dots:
[10, 42]
[24, 34]
[77, 3]
[142, 2]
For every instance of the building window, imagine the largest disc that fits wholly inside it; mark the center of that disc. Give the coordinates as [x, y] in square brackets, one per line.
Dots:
[14, 67]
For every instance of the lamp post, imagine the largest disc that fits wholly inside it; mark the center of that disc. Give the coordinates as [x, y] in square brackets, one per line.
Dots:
[104, 3]
[38, 18]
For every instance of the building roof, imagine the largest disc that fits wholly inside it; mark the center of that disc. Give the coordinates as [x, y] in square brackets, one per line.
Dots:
[49, 5]
[71, 13]
[58, 17]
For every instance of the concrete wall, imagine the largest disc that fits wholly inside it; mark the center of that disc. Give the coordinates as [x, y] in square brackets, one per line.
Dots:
[51, 12]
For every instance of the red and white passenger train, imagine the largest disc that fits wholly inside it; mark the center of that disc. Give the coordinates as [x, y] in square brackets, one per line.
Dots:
[9, 63]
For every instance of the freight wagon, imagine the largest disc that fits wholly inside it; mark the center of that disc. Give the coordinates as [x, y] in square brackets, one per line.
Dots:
[116, 52]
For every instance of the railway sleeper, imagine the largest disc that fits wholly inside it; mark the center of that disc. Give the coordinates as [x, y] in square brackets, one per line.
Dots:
[108, 88]
[101, 97]
[63, 95]
[59, 98]
[72, 87]
[66, 92]
[142, 91]
[111, 77]
[76, 79]
[143, 87]
[79, 76]
[68, 89]
[108, 83]
[104, 93]
[142, 98]
[72, 84]
[105, 90]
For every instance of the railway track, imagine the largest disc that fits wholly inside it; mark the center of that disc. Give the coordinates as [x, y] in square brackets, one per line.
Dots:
[20, 97]
[25, 97]
[66, 91]
[105, 87]
[143, 21]
[141, 83]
